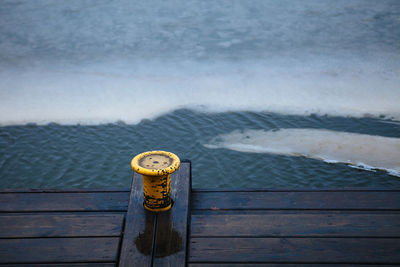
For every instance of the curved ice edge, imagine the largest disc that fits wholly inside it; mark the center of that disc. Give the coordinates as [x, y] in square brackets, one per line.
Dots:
[128, 119]
[359, 165]
[365, 167]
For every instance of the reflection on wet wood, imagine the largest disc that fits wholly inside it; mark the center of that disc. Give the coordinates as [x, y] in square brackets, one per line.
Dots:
[172, 226]
[137, 243]
[157, 239]
[218, 228]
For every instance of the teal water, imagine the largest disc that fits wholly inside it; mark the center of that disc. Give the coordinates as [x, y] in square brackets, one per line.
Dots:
[256, 93]
[99, 156]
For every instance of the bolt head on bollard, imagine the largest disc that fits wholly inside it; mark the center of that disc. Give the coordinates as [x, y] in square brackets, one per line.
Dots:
[156, 167]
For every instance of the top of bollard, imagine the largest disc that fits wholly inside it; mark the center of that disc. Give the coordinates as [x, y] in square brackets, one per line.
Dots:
[155, 163]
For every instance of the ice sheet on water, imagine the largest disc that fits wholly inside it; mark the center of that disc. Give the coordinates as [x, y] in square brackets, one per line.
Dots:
[364, 151]
[97, 94]
[94, 62]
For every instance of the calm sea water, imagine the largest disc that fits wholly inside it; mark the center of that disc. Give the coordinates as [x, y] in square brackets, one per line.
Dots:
[255, 93]
[99, 156]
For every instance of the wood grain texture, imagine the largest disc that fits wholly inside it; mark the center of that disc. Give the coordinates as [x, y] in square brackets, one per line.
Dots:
[260, 211]
[172, 226]
[64, 190]
[349, 200]
[295, 250]
[311, 225]
[82, 201]
[280, 265]
[97, 264]
[337, 189]
[170, 241]
[58, 250]
[137, 242]
[60, 225]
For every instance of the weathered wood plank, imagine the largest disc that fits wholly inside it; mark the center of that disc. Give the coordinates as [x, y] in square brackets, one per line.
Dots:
[279, 265]
[172, 226]
[60, 225]
[97, 264]
[311, 225]
[260, 211]
[65, 190]
[140, 247]
[338, 189]
[295, 250]
[137, 243]
[297, 200]
[85, 201]
[52, 250]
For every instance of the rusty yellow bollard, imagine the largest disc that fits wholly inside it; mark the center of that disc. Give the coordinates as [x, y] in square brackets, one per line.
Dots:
[156, 167]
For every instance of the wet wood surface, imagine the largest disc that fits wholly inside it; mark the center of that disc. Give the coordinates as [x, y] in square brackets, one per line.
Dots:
[137, 243]
[101, 249]
[63, 201]
[173, 226]
[297, 200]
[60, 225]
[207, 227]
[296, 250]
[295, 228]
[87, 227]
[158, 239]
[297, 225]
[61, 228]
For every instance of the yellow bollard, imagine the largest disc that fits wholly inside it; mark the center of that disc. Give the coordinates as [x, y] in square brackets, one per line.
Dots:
[156, 167]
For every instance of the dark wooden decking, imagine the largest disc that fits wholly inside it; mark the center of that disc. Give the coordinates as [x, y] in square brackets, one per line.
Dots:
[204, 227]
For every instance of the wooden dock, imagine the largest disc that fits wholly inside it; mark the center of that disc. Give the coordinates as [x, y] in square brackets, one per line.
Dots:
[204, 228]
